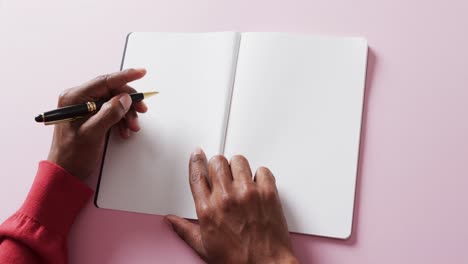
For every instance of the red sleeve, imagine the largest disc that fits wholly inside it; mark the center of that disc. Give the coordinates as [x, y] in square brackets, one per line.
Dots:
[37, 232]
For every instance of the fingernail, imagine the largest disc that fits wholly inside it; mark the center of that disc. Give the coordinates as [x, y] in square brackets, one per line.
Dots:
[125, 101]
[198, 150]
[196, 154]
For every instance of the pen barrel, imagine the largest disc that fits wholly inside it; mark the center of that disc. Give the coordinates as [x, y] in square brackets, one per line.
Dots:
[66, 112]
[99, 104]
[137, 97]
[70, 113]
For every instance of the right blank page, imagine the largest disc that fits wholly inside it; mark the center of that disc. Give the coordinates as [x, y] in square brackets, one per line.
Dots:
[296, 109]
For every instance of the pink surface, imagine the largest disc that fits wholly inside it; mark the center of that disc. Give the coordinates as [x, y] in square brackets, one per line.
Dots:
[412, 186]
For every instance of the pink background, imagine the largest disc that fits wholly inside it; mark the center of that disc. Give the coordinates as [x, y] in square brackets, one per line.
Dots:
[412, 197]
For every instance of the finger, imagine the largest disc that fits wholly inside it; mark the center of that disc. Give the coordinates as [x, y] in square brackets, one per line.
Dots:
[119, 79]
[219, 173]
[266, 182]
[198, 173]
[140, 107]
[189, 232]
[111, 84]
[240, 169]
[104, 86]
[123, 129]
[131, 120]
[123, 89]
[110, 113]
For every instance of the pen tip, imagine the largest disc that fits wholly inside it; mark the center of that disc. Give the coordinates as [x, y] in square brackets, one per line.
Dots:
[149, 94]
[39, 118]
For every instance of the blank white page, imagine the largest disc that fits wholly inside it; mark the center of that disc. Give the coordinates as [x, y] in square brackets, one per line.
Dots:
[296, 108]
[193, 73]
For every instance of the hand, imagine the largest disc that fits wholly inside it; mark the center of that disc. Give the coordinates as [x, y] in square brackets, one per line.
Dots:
[241, 219]
[78, 146]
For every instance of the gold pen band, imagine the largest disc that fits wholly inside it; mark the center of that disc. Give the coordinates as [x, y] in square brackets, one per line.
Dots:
[91, 106]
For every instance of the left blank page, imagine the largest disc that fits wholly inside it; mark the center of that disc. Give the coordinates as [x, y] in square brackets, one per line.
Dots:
[148, 172]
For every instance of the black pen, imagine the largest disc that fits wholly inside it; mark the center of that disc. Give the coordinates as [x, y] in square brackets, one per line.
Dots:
[73, 112]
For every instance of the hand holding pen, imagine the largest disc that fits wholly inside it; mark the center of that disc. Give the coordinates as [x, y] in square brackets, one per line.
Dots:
[74, 112]
[84, 138]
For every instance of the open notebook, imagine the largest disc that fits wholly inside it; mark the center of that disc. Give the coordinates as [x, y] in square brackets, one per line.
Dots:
[290, 102]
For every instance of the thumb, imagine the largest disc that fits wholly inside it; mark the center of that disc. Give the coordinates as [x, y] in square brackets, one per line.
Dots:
[110, 113]
[189, 232]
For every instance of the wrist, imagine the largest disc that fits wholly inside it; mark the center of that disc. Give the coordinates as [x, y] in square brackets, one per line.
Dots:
[72, 160]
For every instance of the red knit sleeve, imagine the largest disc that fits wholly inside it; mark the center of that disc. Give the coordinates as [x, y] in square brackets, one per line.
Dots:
[37, 232]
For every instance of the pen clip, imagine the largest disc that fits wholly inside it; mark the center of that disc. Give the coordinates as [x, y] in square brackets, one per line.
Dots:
[62, 121]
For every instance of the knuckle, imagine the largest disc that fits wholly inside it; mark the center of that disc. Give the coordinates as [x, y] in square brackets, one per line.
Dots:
[102, 78]
[204, 212]
[225, 202]
[248, 194]
[63, 97]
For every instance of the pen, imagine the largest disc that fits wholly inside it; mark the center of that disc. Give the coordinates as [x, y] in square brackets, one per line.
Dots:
[73, 112]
